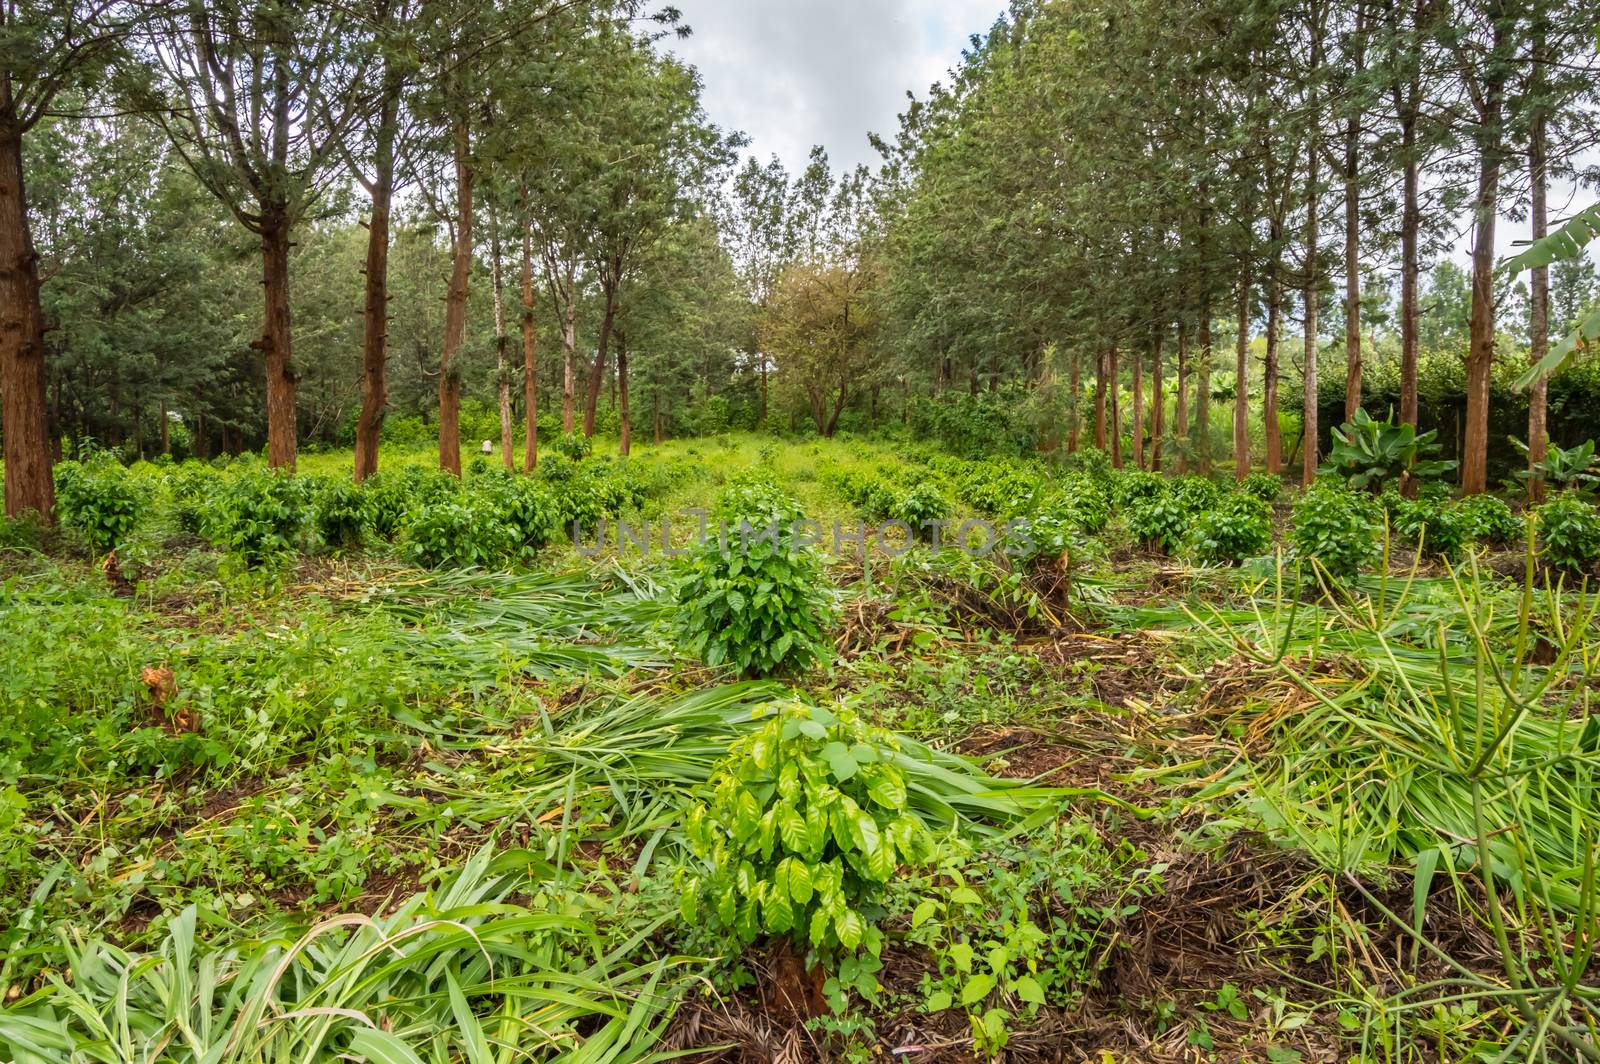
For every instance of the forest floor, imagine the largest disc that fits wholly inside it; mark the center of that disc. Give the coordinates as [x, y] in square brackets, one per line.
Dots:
[341, 733]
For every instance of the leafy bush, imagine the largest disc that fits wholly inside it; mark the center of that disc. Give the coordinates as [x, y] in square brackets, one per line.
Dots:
[919, 506]
[1160, 522]
[1438, 528]
[458, 533]
[1569, 533]
[990, 422]
[343, 512]
[804, 825]
[1195, 493]
[573, 446]
[1136, 486]
[393, 494]
[260, 515]
[995, 491]
[1264, 486]
[755, 599]
[1087, 499]
[1239, 526]
[1487, 519]
[529, 511]
[98, 500]
[1371, 454]
[190, 487]
[1336, 528]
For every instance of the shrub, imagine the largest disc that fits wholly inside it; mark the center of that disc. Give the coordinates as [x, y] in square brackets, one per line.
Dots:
[1487, 519]
[755, 601]
[1437, 528]
[190, 487]
[1264, 486]
[1136, 486]
[343, 512]
[803, 826]
[1371, 454]
[1195, 493]
[1088, 500]
[98, 500]
[1563, 468]
[1569, 533]
[919, 506]
[573, 446]
[1239, 526]
[458, 533]
[1162, 520]
[529, 512]
[261, 515]
[1336, 528]
[393, 494]
[996, 492]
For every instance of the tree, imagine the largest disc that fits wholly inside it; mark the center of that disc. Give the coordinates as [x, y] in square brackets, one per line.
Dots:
[255, 97]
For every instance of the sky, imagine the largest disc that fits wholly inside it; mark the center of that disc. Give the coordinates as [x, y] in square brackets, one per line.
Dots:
[793, 73]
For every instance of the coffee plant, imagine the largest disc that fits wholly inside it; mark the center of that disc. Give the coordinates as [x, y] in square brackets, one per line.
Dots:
[1486, 519]
[1239, 526]
[1435, 528]
[261, 515]
[98, 500]
[459, 533]
[1569, 533]
[1264, 486]
[343, 512]
[1335, 528]
[1160, 521]
[801, 829]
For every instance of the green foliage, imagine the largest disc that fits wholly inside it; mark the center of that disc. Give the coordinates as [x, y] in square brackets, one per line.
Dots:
[975, 425]
[919, 506]
[1237, 527]
[1162, 513]
[800, 832]
[1136, 486]
[1265, 486]
[189, 489]
[1565, 469]
[98, 500]
[1569, 533]
[459, 533]
[1087, 499]
[260, 516]
[1486, 519]
[573, 446]
[1438, 528]
[755, 599]
[1335, 528]
[528, 509]
[343, 511]
[1371, 454]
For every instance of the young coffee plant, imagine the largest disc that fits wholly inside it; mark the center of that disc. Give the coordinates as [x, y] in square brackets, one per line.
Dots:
[394, 494]
[800, 830]
[528, 510]
[343, 512]
[1437, 528]
[98, 500]
[1264, 486]
[1237, 527]
[1569, 533]
[190, 487]
[459, 533]
[1161, 521]
[1335, 528]
[755, 597]
[1088, 500]
[1486, 519]
[919, 507]
[1136, 486]
[261, 516]
[574, 446]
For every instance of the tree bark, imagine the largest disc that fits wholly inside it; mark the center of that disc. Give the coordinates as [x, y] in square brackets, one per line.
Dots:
[1138, 410]
[625, 429]
[569, 349]
[1241, 384]
[1480, 352]
[1269, 386]
[597, 373]
[530, 364]
[1309, 456]
[1158, 405]
[502, 341]
[1180, 409]
[375, 306]
[1538, 284]
[455, 310]
[1352, 268]
[275, 340]
[1408, 107]
[1202, 395]
[1100, 400]
[24, 416]
[1075, 414]
[1115, 385]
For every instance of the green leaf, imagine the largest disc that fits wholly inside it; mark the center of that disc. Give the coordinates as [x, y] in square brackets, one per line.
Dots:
[799, 882]
[850, 928]
[840, 762]
[381, 1047]
[939, 1000]
[924, 912]
[976, 989]
[1028, 989]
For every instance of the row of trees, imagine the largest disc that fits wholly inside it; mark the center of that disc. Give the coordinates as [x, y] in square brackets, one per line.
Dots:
[547, 139]
[1114, 179]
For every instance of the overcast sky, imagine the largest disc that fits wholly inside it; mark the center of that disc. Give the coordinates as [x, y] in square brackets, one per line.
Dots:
[793, 73]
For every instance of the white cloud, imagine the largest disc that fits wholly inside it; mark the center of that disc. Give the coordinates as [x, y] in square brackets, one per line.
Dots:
[793, 74]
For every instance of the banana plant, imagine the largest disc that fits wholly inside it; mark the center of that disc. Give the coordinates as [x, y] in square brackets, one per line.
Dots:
[1372, 454]
[1566, 243]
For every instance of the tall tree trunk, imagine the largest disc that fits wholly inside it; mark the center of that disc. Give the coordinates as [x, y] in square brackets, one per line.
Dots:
[1138, 410]
[1408, 107]
[455, 310]
[569, 348]
[1269, 387]
[1480, 352]
[1539, 282]
[1352, 267]
[1158, 405]
[502, 340]
[166, 427]
[1309, 456]
[530, 364]
[761, 415]
[375, 305]
[1241, 383]
[1075, 413]
[1202, 394]
[597, 373]
[1100, 400]
[24, 415]
[1180, 409]
[1113, 375]
[275, 340]
[625, 443]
